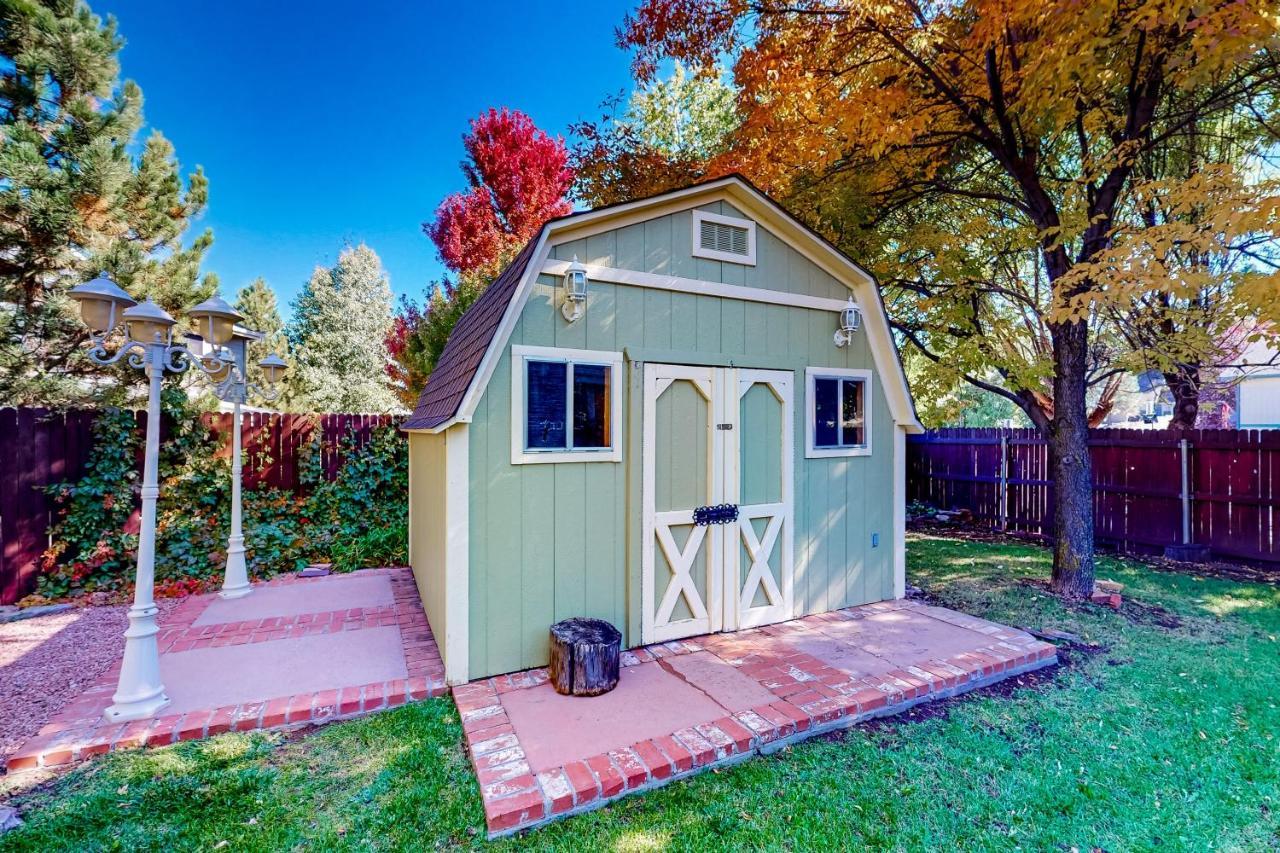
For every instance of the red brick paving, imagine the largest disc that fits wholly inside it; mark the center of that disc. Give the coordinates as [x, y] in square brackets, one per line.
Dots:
[811, 697]
[79, 731]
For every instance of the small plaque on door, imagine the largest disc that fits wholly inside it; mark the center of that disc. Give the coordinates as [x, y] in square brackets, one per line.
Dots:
[718, 514]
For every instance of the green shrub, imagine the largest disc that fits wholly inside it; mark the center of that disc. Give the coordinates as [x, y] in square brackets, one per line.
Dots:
[381, 546]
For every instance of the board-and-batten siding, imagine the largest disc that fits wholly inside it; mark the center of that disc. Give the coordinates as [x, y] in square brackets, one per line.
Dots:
[560, 540]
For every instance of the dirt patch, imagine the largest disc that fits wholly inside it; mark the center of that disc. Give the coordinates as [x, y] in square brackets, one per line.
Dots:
[1149, 614]
[1218, 569]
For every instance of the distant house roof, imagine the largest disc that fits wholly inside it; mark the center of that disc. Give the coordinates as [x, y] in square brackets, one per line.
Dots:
[462, 367]
[466, 347]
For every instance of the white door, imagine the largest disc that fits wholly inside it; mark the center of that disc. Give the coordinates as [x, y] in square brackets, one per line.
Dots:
[715, 436]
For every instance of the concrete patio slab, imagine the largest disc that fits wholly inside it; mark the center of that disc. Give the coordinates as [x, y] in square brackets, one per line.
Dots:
[292, 653]
[280, 668]
[682, 707]
[557, 728]
[324, 595]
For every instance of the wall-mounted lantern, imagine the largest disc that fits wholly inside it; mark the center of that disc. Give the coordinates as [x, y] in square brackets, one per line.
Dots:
[575, 290]
[850, 320]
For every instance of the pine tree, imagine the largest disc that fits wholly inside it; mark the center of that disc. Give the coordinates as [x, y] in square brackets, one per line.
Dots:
[74, 201]
[257, 302]
[340, 321]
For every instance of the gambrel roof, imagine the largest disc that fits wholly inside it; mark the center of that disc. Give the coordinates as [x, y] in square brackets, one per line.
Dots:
[469, 356]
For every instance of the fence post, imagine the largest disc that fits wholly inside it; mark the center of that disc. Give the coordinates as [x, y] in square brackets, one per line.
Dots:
[1004, 480]
[1185, 447]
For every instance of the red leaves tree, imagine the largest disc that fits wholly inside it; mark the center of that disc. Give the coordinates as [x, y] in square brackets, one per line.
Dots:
[519, 177]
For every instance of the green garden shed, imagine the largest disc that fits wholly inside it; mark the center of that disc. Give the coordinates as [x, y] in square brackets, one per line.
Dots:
[683, 414]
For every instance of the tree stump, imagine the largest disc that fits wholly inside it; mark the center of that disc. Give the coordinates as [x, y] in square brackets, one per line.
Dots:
[584, 657]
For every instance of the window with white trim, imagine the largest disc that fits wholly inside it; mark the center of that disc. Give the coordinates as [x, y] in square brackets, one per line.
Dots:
[565, 405]
[838, 410]
[724, 238]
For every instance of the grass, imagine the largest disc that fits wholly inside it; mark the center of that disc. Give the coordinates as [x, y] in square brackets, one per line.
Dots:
[1167, 734]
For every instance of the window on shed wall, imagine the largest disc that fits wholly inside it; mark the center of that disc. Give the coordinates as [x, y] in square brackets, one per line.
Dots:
[839, 412]
[564, 406]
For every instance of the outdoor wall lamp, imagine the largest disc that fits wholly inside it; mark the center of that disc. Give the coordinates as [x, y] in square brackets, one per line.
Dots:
[575, 290]
[149, 346]
[850, 320]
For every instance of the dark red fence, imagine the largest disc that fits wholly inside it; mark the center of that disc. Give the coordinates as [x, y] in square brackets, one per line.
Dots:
[1231, 503]
[39, 447]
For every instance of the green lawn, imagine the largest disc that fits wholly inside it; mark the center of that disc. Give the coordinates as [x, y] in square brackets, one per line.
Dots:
[1167, 735]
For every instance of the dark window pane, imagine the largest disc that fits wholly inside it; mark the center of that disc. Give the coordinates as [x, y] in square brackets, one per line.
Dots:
[851, 421]
[545, 405]
[590, 405]
[826, 412]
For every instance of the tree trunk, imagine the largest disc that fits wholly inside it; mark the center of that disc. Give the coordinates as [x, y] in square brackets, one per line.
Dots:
[1184, 386]
[1070, 465]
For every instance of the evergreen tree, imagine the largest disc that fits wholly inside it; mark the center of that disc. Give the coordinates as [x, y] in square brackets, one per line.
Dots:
[257, 302]
[340, 321]
[74, 202]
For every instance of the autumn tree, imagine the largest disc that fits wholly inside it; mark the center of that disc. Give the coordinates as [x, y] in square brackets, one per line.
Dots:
[76, 200]
[1190, 334]
[666, 136]
[1023, 125]
[336, 334]
[519, 178]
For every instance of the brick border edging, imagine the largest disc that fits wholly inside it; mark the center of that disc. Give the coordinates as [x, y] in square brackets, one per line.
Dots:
[761, 745]
[813, 698]
[77, 732]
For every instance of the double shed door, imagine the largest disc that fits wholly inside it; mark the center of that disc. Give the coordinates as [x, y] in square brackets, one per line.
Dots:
[715, 436]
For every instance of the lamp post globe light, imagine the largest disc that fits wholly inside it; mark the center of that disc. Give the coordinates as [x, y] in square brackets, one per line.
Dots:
[147, 345]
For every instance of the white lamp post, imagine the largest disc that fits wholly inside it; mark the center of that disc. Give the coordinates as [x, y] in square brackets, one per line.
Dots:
[232, 386]
[148, 343]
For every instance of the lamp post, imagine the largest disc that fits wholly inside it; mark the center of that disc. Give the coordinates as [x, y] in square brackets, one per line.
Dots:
[232, 386]
[148, 345]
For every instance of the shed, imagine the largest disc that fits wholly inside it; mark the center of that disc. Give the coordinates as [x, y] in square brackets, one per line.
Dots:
[695, 446]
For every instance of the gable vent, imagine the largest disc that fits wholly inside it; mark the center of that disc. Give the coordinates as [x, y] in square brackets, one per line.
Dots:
[718, 237]
[724, 238]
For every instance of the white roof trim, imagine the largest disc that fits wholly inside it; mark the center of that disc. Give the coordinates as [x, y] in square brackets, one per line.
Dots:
[743, 196]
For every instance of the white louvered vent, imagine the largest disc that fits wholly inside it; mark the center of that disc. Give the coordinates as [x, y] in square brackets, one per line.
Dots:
[718, 237]
[724, 238]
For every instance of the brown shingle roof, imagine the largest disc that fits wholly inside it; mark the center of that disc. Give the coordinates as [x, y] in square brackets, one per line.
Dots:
[466, 347]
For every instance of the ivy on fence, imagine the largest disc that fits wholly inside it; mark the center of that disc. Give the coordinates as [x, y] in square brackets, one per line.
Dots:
[357, 519]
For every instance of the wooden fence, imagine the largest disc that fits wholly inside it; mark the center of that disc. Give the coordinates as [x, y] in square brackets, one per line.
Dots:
[39, 447]
[1229, 499]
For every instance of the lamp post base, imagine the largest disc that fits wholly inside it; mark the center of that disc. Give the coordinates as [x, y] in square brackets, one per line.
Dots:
[139, 693]
[236, 581]
[141, 709]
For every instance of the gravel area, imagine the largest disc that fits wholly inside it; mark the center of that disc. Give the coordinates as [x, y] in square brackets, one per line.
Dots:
[47, 661]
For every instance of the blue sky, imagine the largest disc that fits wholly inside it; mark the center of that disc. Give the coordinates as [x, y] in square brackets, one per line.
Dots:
[343, 122]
